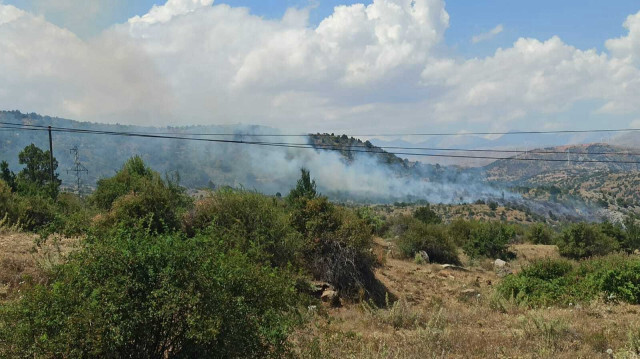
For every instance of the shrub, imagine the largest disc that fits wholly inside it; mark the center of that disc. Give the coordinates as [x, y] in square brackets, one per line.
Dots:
[460, 231]
[35, 212]
[136, 192]
[632, 239]
[427, 215]
[250, 222]
[547, 282]
[583, 240]
[140, 295]
[338, 247]
[489, 239]
[432, 239]
[374, 221]
[7, 203]
[539, 233]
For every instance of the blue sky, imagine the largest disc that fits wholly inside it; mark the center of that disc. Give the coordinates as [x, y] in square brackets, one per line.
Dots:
[582, 23]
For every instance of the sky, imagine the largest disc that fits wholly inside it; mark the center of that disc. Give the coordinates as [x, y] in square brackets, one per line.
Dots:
[381, 66]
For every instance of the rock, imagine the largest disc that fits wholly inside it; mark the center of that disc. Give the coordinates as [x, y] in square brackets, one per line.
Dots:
[636, 252]
[499, 263]
[503, 272]
[502, 268]
[331, 297]
[454, 267]
[318, 288]
[469, 293]
[425, 256]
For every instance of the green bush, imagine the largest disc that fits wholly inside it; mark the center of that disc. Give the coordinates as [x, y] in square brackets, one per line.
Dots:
[489, 239]
[432, 239]
[546, 282]
[140, 295]
[583, 240]
[250, 222]
[460, 231]
[35, 212]
[136, 192]
[338, 247]
[539, 233]
[7, 204]
[427, 215]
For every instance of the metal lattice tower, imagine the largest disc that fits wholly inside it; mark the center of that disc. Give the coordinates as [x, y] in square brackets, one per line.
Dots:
[78, 168]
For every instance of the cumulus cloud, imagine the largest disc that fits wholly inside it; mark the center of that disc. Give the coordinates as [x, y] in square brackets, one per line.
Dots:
[378, 66]
[48, 69]
[487, 35]
[627, 47]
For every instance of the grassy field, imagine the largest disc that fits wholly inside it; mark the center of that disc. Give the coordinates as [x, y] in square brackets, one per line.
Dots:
[446, 313]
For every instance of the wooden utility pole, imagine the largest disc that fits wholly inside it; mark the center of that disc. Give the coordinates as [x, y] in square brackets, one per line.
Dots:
[50, 154]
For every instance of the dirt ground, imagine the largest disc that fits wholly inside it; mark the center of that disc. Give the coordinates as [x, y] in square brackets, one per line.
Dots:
[449, 313]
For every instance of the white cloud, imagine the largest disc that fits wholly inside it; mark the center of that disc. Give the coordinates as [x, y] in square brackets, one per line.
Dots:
[377, 67]
[628, 47]
[171, 8]
[48, 69]
[487, 35]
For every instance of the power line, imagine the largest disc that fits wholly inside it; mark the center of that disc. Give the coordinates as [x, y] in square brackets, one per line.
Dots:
[625, 153]
[310, 146]
[391, 134]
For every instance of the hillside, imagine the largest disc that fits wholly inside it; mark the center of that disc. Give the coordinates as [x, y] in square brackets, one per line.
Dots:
[566, 159]
[610, 187]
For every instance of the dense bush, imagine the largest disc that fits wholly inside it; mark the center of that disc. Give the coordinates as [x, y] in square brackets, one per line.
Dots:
[489, 239]
[614, 277]
[427, 215]
[460, 231]
[583, 240]
[338, 246]
[432, 239]
[137, 192]
[140, 295]
[539, 233]
[250, 222]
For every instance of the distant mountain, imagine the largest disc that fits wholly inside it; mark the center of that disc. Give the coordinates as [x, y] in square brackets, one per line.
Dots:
[566, 159]
[520, 142]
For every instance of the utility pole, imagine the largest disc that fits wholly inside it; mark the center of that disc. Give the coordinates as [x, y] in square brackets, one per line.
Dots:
[50, 155]
[78, 168]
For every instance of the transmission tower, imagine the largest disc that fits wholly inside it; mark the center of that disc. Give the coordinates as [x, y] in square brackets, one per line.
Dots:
[78, 168]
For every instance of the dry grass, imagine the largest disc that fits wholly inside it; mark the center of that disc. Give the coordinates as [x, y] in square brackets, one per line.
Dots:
[434, 318]
[22, 261]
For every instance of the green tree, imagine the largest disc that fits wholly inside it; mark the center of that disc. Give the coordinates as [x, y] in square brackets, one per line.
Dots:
[489, 239]
[632, 240]
[305, 188]
[36, 175]
[583, 240]
[7, 175]
[539, 233]
[427, 215]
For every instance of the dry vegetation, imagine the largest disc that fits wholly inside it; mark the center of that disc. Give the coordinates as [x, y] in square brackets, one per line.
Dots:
[445, 313]
[22, 261]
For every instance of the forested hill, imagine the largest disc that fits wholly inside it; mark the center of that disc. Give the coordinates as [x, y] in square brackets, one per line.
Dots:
[200, 164]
